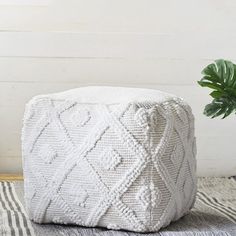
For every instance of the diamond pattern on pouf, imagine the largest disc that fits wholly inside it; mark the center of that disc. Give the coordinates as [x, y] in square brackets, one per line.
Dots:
[79, 195]
[110, 158]
[80, 117]
[149, 196]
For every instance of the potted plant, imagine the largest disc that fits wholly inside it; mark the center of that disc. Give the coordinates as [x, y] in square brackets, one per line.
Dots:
[221, 78]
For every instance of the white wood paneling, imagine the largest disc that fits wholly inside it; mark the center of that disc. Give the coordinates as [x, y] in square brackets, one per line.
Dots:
[219, 167]
[153, 16]
[25, 2]
[117, 45]
[9, 164]
[137, 43]
[119, 71]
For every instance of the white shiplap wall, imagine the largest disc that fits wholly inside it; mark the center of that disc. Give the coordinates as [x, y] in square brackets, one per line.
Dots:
[60, 44]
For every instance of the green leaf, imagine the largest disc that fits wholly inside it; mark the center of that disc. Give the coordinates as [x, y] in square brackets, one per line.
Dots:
[216, 94]
[231, 91]
[229, 110]
[221, 72]
[220, 106]
[210, 85]
[221, 77]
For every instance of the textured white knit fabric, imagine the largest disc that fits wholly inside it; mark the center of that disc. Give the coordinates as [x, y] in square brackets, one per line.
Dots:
[121, 158]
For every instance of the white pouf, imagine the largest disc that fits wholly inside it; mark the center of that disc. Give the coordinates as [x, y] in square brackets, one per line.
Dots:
[121, 158]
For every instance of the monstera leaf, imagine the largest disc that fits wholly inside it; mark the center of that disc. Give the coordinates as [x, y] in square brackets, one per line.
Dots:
[221, 77]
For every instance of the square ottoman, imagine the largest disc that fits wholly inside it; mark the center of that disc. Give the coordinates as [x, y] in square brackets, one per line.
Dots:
[120, 158]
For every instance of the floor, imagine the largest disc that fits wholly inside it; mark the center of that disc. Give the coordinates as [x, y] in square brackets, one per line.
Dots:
[11, 177]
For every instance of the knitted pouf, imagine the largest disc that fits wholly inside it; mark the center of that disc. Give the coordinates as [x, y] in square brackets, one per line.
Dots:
[121, 158]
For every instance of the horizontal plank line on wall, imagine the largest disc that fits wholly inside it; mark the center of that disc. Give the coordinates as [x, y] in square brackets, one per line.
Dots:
[116, 45]
[68, 57]
[10, 156]
[151, 16]
[134, 84]
[13, 30]
[206, 59]
[102, 71]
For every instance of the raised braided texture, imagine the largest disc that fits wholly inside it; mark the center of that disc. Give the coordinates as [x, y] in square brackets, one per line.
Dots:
[121, 165]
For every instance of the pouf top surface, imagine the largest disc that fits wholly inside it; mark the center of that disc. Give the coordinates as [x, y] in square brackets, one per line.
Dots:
[106, 94]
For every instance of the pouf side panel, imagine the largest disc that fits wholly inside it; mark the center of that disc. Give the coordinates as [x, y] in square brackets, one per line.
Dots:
[147, 204]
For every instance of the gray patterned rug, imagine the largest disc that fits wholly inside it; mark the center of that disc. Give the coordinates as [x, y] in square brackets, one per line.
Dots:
[214, 214]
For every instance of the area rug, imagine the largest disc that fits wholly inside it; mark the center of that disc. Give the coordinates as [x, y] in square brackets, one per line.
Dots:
[214, 214]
